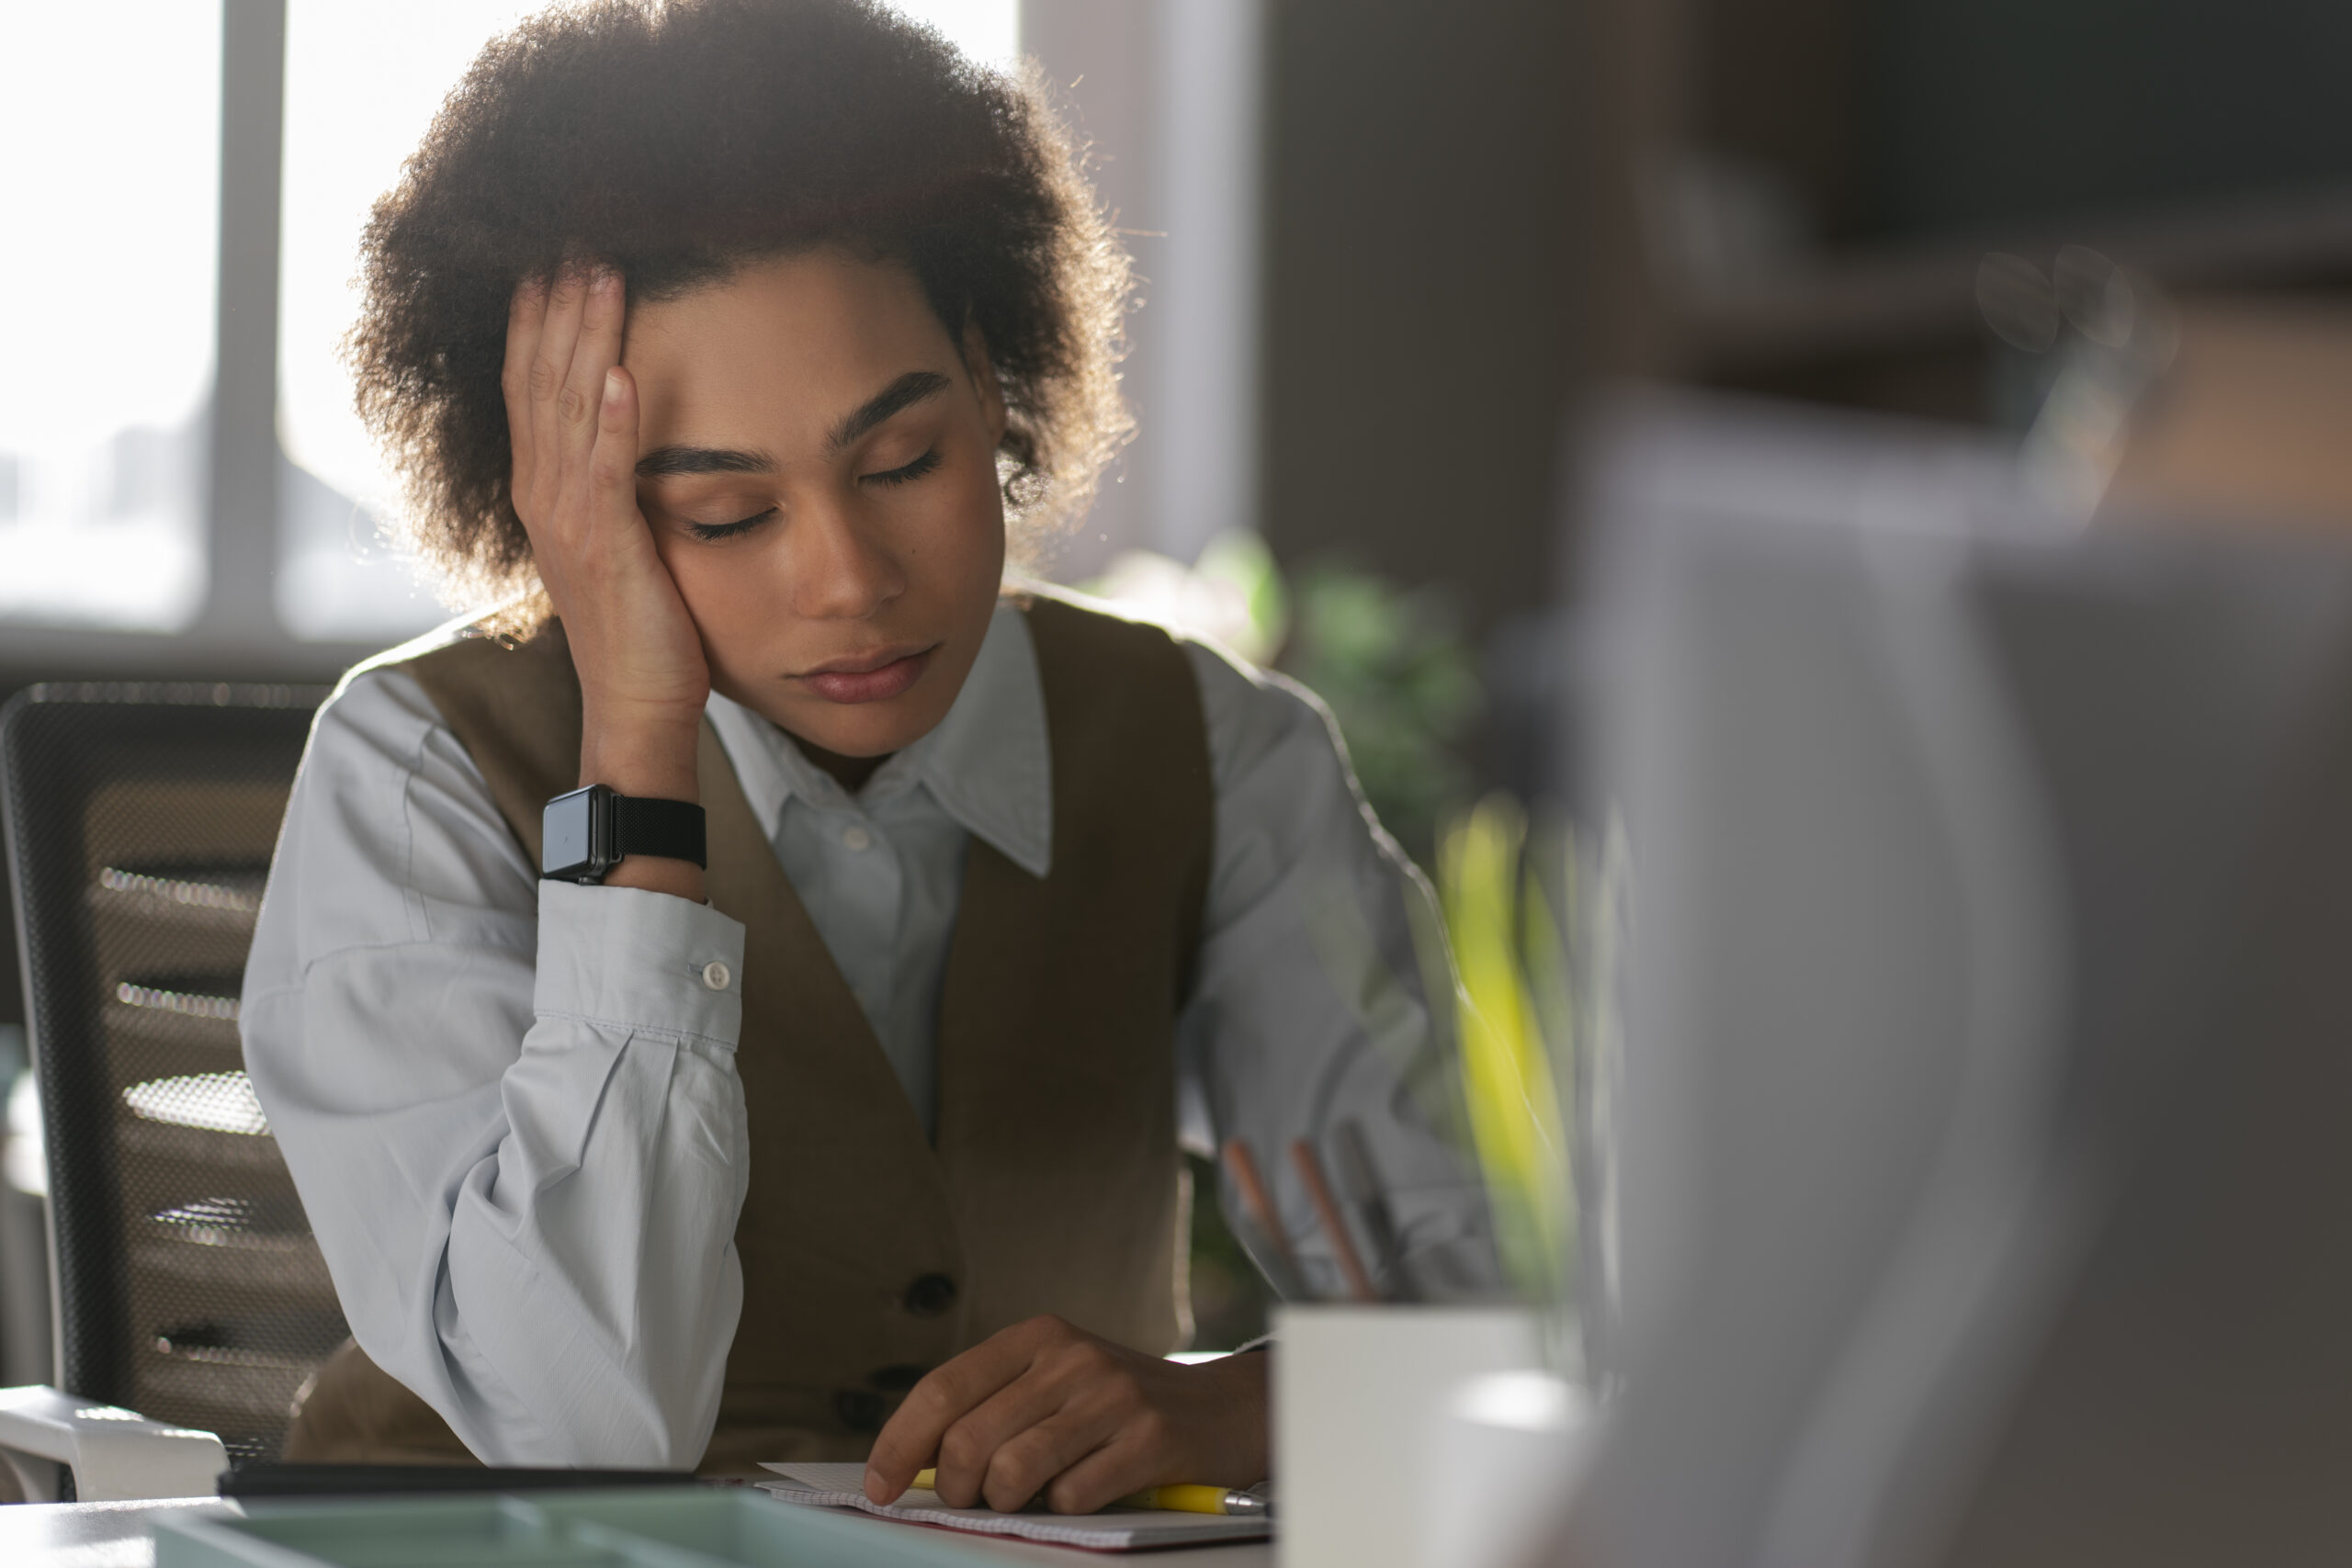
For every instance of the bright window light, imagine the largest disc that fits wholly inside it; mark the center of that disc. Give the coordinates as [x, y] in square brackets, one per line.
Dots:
[26, 1164]
[362, 85]
[986, 30]
[109, 154]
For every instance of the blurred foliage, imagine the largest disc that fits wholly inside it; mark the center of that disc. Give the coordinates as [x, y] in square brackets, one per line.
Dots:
[1233, 595]
[1394, 664]
[1510, 935]
[1239, 563]
[1397, 671]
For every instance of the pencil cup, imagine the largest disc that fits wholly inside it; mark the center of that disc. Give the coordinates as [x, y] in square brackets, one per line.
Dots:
[1360, 1395]
[1503, 1463]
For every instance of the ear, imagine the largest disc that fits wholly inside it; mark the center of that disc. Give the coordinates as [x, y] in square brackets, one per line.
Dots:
[984, 381]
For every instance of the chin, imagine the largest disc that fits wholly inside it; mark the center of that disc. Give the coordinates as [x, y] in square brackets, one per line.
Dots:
[870, 730]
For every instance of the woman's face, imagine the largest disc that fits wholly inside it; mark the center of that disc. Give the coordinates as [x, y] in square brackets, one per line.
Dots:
[817, 459]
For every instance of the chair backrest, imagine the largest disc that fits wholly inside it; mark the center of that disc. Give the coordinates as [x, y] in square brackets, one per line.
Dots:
[140, 821]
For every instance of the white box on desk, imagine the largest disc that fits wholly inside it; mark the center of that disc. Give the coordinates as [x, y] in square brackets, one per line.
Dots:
[1360, 1393]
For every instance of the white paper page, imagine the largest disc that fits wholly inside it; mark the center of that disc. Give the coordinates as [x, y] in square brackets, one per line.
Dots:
[1115, 1528]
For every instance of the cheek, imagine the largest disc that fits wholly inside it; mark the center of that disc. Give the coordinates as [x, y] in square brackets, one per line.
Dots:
[961, 530]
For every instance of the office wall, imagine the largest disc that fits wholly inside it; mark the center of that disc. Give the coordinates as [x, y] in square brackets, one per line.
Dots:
[1419, 309]
[1166, 96]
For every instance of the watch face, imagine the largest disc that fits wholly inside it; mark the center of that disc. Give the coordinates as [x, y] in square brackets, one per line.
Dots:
[568, 837]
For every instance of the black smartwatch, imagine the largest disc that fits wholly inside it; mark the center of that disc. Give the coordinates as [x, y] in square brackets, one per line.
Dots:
[586, 833]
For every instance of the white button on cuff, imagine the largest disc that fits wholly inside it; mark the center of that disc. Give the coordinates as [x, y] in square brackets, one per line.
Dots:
[857, 837]
[715, 974]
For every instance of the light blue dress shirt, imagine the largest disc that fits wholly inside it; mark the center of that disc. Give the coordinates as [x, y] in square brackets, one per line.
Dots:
[881, 871]
[511, 1106]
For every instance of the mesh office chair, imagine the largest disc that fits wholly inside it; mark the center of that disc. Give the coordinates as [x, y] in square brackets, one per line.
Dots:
[140, 821]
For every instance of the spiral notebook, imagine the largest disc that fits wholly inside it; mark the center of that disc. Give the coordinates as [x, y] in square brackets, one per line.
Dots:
[1117, 1528]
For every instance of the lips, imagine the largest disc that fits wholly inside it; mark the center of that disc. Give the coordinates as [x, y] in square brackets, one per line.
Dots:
[868, 678]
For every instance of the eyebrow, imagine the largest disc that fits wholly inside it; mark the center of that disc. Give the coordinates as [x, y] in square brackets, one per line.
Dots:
[903, 393]
[666, 460]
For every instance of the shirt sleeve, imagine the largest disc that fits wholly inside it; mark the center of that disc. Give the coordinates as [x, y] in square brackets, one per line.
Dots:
[1311, 1008]
[510, 1107]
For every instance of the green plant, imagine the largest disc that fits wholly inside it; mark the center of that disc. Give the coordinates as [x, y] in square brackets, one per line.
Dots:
[1510, 940]
[1396, 672]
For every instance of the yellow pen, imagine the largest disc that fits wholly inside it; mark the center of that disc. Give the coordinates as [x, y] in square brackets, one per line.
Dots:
[1177, 1499]
[1199, 1500]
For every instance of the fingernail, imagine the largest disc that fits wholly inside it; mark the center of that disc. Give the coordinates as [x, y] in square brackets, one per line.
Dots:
[613, 388]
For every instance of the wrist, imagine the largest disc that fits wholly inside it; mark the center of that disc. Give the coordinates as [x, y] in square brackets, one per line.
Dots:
[679, 878]
[1244, 1442]
[649, 756]
[600, 834]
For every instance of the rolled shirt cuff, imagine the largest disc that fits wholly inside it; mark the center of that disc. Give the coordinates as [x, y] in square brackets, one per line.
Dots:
[647, 963]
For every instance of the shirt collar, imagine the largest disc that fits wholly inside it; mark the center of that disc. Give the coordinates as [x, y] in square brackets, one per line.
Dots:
[987, 764]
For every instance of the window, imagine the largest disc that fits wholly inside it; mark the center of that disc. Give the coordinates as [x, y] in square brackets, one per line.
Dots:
[986, 30]
[109, 153]
[362, 84]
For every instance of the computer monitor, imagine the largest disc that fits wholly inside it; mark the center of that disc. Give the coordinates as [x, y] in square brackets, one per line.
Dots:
[1981, 1179]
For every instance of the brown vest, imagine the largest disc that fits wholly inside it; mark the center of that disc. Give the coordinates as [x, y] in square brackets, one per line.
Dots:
[869, 1255]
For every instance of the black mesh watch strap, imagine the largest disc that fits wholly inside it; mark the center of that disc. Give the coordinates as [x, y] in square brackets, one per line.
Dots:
[586, 833]
[670, 828]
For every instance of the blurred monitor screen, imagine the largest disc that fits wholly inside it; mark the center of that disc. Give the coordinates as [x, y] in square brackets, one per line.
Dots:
[1993, 114]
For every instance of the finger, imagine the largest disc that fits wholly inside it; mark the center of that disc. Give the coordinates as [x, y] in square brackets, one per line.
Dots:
[1127, 1462]
[910, 1439]
[596, 350]
[612, 466]
[551, 368]
[1030, 1461]
[526, 317]
[968, 1450]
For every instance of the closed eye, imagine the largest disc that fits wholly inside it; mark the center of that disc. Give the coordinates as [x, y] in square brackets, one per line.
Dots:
[710, 531]
[907, 473]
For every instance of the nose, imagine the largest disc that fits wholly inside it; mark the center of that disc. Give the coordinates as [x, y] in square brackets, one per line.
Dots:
[840, 569]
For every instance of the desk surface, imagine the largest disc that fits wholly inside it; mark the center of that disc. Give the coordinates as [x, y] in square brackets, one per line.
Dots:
[115, 1535]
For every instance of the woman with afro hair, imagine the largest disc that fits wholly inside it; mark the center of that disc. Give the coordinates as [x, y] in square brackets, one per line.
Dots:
[745, 996]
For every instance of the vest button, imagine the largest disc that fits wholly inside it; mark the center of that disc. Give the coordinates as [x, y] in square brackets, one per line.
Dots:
[861, 1409]
[930, 1295]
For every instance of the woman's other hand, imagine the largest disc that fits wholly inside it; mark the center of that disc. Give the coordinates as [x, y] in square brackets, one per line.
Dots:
[572, 415]
[1047, 1409]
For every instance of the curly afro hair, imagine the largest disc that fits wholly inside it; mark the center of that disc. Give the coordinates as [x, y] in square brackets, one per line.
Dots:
[676, 139]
